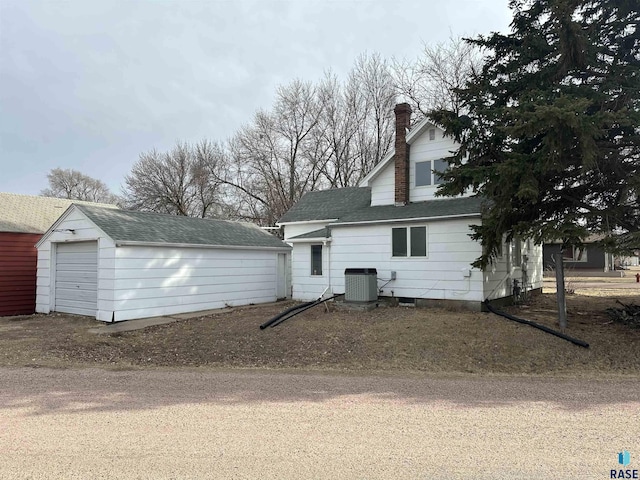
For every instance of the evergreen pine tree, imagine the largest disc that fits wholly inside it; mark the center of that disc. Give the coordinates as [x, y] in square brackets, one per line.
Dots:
[550, 134]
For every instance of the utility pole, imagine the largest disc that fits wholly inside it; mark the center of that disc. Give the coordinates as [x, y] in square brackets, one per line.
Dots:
[562, 302]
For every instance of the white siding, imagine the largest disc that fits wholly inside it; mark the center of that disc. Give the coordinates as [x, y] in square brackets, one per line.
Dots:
[153, 281]
[305, 285]
[83, 230]
[136, 282]
[498, 278]
[423, 149]
[383, 186]
[437, 276]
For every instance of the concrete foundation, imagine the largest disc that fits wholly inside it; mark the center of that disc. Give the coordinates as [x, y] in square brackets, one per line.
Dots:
[453, 305]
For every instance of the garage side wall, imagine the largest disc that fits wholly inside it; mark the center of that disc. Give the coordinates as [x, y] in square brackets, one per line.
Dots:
[154, 281]
[84, 230]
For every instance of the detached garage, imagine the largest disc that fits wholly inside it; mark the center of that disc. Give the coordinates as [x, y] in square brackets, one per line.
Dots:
[118, 265]
[23, 220]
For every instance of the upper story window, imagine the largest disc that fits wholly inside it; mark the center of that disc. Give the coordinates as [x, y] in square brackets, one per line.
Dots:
[425, 174]
[409, 242]
[432, 134]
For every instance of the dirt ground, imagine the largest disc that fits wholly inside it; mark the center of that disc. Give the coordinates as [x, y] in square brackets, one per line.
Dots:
[385, 339]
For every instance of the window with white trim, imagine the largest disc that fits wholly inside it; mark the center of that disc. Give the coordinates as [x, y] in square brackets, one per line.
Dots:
[409, 241]
[316, 260]
[427, 172]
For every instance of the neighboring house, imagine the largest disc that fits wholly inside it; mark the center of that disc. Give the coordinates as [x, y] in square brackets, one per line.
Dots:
[589, 257]
[419, 244]
[119, 265]
[23, 220]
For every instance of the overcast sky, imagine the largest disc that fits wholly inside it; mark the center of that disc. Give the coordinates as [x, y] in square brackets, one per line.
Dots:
[90, 85]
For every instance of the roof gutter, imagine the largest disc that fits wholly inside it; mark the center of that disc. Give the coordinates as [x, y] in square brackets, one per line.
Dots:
[308, 240]
[130, 243]
[300, 222]
[406, 220]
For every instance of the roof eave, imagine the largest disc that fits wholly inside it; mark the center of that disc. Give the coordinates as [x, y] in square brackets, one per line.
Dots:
[132, 243]
[407, 220]
[300, 222]
[309, 240]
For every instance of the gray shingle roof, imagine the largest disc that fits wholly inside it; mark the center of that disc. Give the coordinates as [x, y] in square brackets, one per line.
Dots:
[33, 214]
[321, 233]
[145, 227]
[427, 209]
[328, 204]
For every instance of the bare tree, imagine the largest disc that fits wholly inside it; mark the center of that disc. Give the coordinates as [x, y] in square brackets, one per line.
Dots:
[74, 185]
[431, 82]
[178, 182]
[372, 79]
[271, 161]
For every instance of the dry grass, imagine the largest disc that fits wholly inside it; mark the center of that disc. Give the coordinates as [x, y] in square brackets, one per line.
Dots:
[386, 339]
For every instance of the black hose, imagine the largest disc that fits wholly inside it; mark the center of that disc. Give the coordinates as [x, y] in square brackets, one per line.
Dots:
[536, 325]
[282, 314]
[303, 308]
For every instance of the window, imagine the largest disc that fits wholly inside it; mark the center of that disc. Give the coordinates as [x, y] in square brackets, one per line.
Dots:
[316, 259]
[439, 166]
[418, 241]
[399, 242]
[432, 134]
[423, 173]
[415, 243]
[426, 176]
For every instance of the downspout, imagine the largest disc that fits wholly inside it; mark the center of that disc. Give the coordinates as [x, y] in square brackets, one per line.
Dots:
[328, 247]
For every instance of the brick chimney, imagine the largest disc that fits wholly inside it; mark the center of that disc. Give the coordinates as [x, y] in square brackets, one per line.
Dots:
[401, 158]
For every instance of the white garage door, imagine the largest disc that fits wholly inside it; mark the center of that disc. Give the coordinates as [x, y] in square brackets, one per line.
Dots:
[77, 278]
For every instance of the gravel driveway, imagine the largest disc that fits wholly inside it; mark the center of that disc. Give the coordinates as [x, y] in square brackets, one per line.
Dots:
[90, 424]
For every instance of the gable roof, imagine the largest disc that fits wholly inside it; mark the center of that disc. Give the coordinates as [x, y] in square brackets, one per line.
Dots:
[327, 204]
[415, 132]
[124, 227]
[33, 214]
[428, 209]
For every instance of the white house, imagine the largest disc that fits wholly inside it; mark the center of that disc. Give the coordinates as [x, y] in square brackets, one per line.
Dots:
[418, 243]
[118, 265]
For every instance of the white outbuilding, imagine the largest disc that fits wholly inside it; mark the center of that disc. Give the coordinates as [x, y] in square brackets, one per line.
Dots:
[119, 265]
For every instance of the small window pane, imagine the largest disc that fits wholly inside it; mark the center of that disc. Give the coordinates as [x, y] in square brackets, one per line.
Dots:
[418, 241]
[439, 166]
[423, 173]
[399, 241]
[432, 134]
[316, 259]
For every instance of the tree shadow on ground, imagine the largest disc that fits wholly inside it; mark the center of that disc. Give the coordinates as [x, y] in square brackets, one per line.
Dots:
[45, 391]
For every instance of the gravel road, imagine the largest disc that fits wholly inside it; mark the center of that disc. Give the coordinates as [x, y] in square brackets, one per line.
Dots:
[95, 424]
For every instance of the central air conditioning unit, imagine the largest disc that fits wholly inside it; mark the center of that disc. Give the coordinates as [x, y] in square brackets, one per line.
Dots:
[360, 285]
